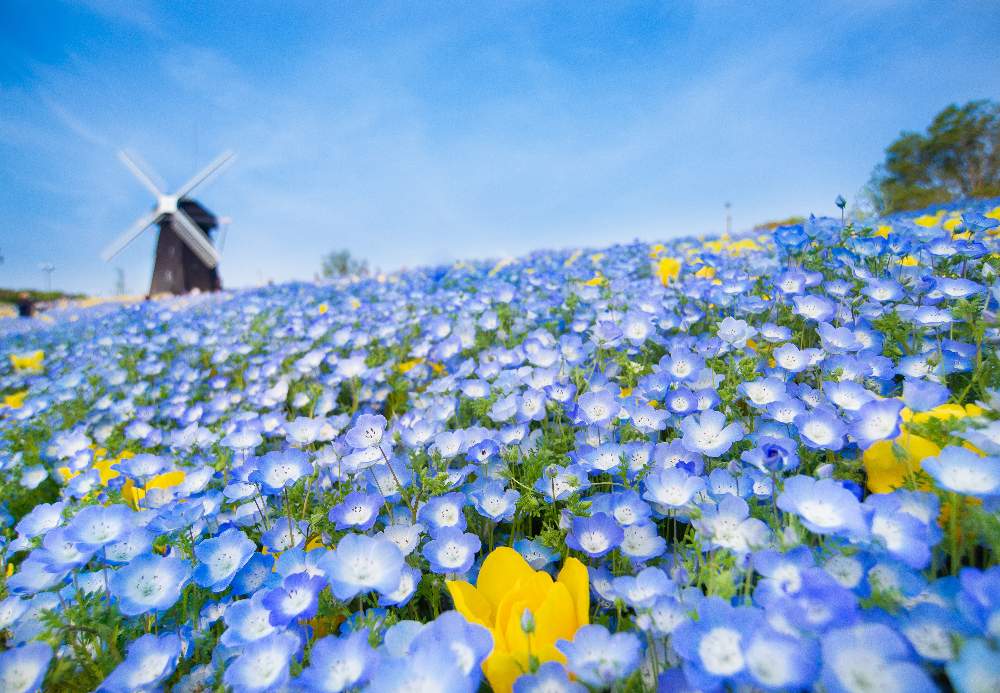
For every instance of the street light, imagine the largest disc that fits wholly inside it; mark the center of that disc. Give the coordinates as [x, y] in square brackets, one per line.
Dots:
[47, 268]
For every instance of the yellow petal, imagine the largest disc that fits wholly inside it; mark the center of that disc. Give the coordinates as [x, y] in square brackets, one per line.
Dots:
[501, 570]
[524, 595]
[577, 581]
[470, 603]
[502, 670]
[556, 618]
[886, 471]
[166, 480]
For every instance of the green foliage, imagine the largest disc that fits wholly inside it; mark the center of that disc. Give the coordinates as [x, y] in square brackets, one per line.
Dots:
[340, 263]
[958, 156]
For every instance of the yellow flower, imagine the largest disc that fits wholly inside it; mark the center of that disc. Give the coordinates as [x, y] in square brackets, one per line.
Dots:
[407, 366]
[573, 258]
[16, 400]
[883, 231]
[30, 362]
[323, 308]
[133, 495]
[705, 272]
[929, 220]
[889, 463]
[656, 250]
[506, 587]
[668, 269]
[597, 280]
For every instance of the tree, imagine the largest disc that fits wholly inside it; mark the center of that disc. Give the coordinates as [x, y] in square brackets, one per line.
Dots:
[958, 156]
[339, 263]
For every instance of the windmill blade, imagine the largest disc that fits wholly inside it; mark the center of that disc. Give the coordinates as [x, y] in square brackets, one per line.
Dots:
[194, 238]
[139, 173]
[212, 169]
[140, 225]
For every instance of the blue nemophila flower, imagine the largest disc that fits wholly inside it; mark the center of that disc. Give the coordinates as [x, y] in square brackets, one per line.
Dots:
[451, 550]
[537, 554]
[735, 332]
[595, 535]
[282, 537]
[597, 408]
[550, 677]
[263, 664]
[143, 467]
[149, 583]
[877, 420]
[728, 525]
[367, 431]
[976, 669]
[642, 542]
[772, 454]
[795, 360]
[279, 469]
[713, 648]
[708, 433]
[257, 573]
[962, 471]
[357, 511]
[409, 580]
[777, 661]
[494, 501]
[642, 590]
[870, 657]
[338, 664]
[361, 564]
[559, 483]
[444, 511]
[406, 537]
[823, 505]
[247, 620]
[149, 660]
[221, 557]
[821, 429]
[23, 668]
[40, 519]
[296, 598]
[599, 658]
[672, 489]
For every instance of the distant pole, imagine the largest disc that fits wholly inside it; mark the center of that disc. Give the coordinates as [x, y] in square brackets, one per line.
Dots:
[120, 281]
[729, 218]
[48, 268]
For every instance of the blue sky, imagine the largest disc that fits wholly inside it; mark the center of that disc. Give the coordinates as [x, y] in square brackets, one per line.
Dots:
[414, 133]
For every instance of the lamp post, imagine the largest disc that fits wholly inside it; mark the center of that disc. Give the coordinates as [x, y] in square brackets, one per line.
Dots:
[47, 268]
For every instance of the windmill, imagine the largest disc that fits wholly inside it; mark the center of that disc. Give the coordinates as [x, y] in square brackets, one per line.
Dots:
[185, 257]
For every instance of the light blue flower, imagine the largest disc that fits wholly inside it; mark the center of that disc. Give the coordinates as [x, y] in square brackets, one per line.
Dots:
[361, 564]
[451, 551]
[870, 657]
[263, 664]
[23, 668]
[338, 664]
[823, 505]
[149, 660]
[296, 598]
[595, 535]
[708, 433]
[149, 583]
[221, 557]
[599, 658]
[550, 677]
[976, 670]
[962, 471]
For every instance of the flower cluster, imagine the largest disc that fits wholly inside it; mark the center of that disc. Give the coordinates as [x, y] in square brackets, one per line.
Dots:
[766, 461]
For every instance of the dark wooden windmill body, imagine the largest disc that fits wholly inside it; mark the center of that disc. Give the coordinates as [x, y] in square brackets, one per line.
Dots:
[185, 259]
[177, 270]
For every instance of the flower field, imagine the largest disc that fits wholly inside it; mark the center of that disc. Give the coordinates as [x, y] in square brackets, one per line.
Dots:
[762, 462]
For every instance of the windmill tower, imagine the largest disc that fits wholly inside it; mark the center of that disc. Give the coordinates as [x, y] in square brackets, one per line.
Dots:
[185, 257]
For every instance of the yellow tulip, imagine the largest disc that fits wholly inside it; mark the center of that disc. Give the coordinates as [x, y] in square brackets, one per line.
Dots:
[705, 272]
[596, 280]
[668, 269]
[889, 463]
[507, 586]
[573, 258]
[30, 362]
[407, 366]
[323, 308]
